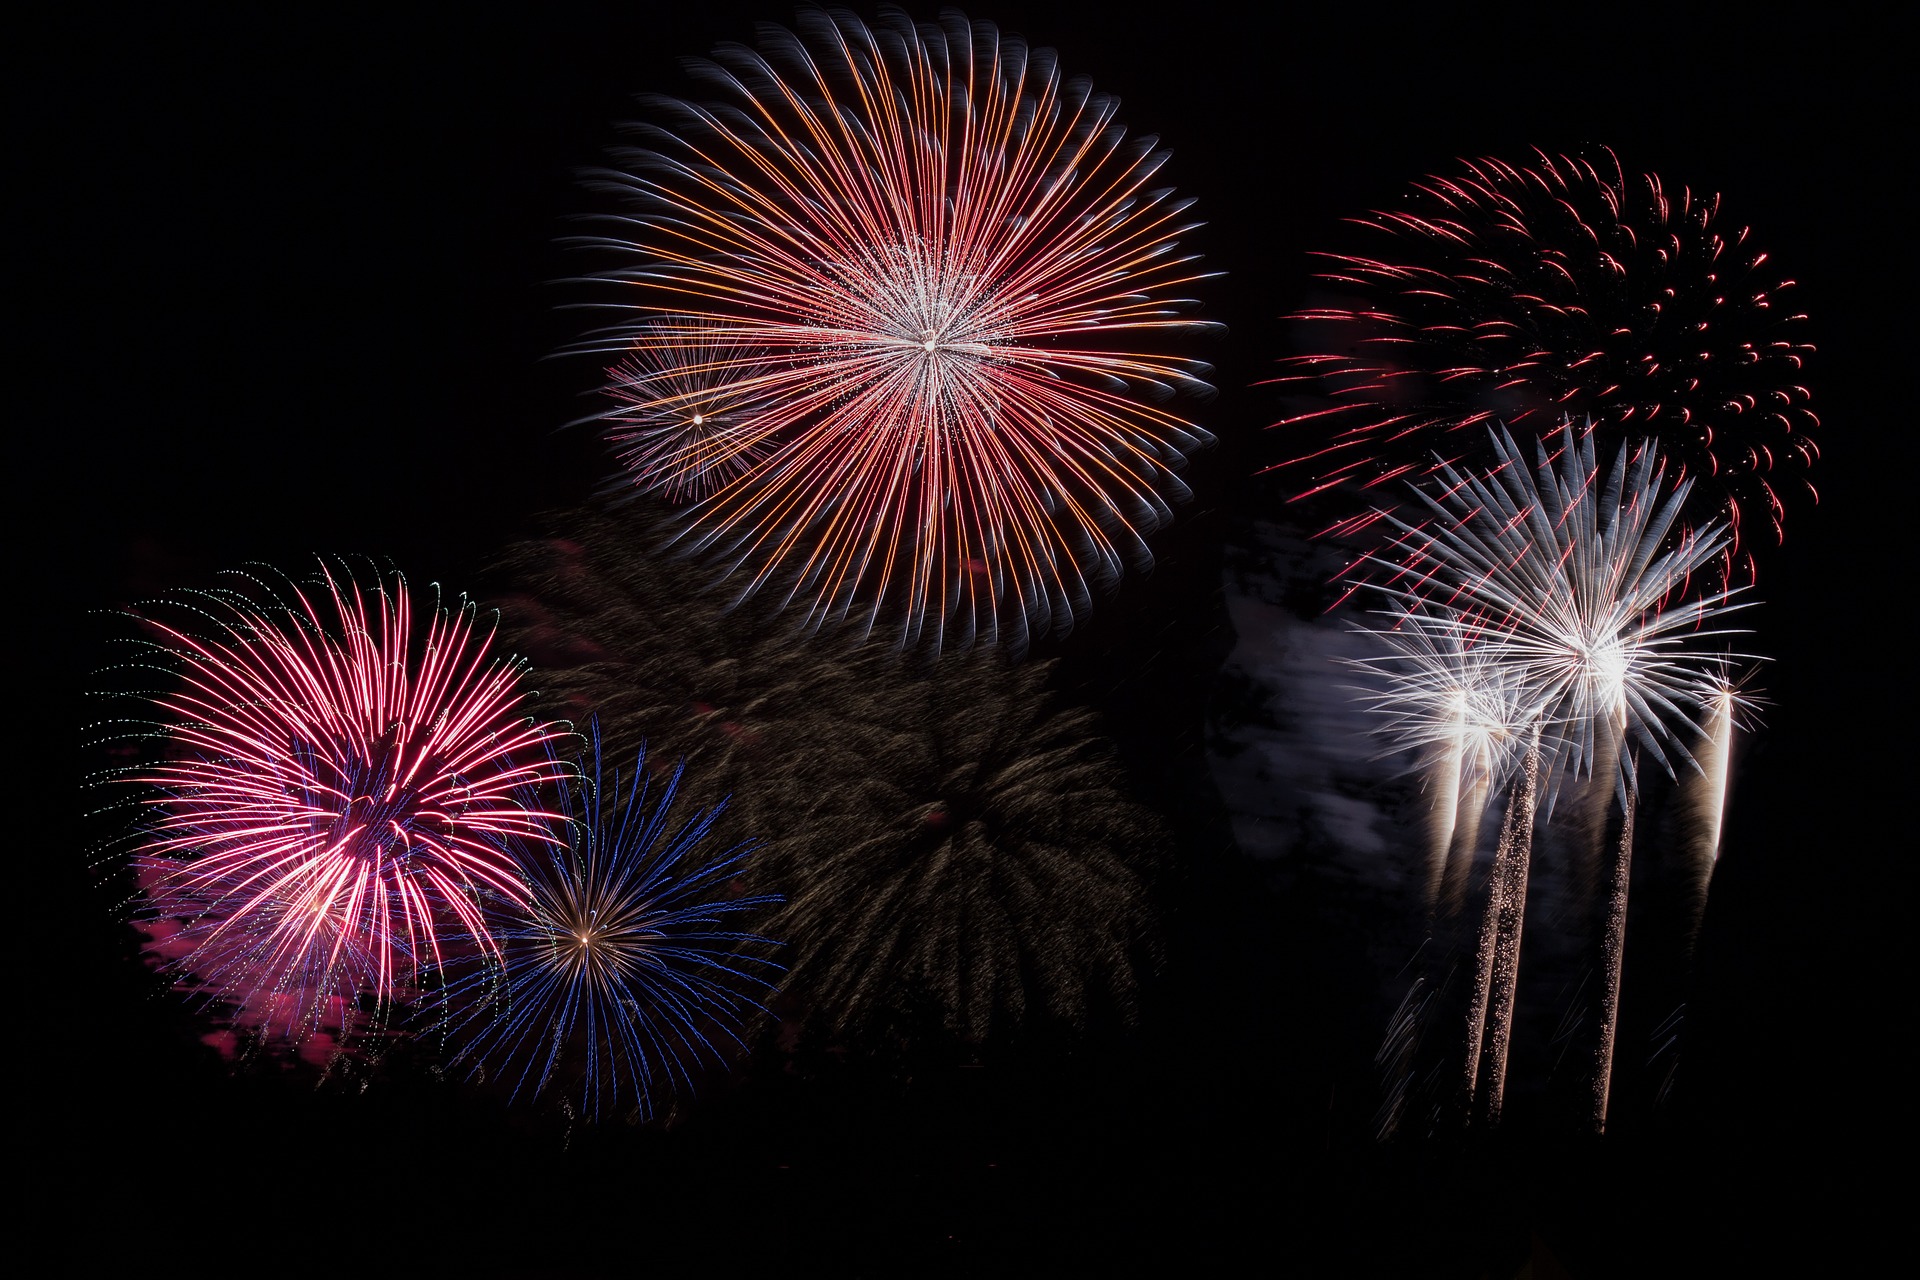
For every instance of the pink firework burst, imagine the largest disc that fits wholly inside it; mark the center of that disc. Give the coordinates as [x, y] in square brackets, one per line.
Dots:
[950, 275]
[332, 807]
[1566, 289]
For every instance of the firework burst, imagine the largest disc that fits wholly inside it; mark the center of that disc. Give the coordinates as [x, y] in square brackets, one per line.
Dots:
[1573, 574]
[621, 973]
[1521, 295]
[950, 275]
[329, 810]
[686, 402]
[1565, 578]
[1465, 711]
[954, 851]
[621, 632]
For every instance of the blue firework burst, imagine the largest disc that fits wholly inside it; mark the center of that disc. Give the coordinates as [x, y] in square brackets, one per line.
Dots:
[626, 972]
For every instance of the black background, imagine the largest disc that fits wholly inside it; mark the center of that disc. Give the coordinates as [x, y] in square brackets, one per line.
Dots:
[289, 278]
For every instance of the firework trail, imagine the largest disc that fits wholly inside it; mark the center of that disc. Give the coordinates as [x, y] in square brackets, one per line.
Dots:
[1706, 798]
[336, 783]
[1612, 957]
[1525, 294]
[621, 972]
[951, 276]
[1567, 572]
[685, 407]
[1497, 968]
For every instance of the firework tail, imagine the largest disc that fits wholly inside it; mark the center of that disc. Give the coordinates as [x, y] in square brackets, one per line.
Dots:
[1706, 807]
[1396, 1056]
[1443, 774]
[1604, 782]
[1613, 953]
[1497, 957]
[1703, 808]
[1482, 984]
[1460, 789]
[1464, 839]
[1510, 871]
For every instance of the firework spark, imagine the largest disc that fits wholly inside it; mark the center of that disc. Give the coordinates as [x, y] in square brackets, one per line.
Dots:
[337, 781]
[950, 275]
[621, 973]
[1520, 295]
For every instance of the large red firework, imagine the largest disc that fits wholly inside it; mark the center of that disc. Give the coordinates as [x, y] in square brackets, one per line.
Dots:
[940, 263]
[334, 798]
[1564, 290]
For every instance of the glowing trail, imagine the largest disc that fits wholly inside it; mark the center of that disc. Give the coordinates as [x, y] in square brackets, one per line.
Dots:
[1613, 953]
[1465, 840]
[1500, 935]
[1706, 800]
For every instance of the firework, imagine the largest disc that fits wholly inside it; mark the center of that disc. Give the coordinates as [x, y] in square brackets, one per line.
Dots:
[949, 277]
[218, 944]
[329, 809]
[1463, 707]
[1521, 295]
[1497, 964]
[685, 408]
[953, 850]
[1574, 574]
[1568, 575]
[622, 974]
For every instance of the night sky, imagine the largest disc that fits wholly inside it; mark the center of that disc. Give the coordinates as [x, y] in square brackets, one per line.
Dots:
[294, 279]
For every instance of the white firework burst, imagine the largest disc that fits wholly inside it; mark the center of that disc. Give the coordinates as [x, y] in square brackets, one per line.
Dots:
[1573, 574]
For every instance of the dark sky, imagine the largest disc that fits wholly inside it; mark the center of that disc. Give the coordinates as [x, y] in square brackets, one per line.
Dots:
[294, 296]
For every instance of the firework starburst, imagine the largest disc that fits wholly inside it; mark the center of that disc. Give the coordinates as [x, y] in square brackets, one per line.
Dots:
[622, 973]
[1574, 574]
[954, 851]
[1522, 294]
[336, 784]
[952, 281]
[685, 408]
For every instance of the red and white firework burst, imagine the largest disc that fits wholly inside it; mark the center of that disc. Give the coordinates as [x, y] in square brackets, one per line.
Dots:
[950, 277]
[1531, 295]
[333, 802]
